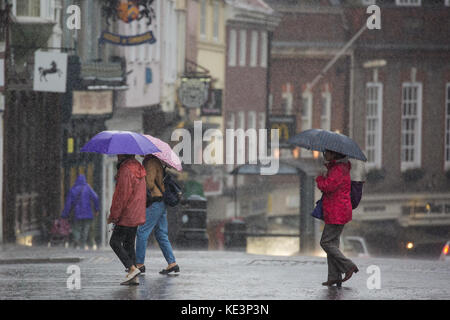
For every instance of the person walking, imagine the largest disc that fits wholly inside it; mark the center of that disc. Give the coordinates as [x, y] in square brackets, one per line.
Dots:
[127, 213]
[79, 200]
[156, 218]
[337, 211]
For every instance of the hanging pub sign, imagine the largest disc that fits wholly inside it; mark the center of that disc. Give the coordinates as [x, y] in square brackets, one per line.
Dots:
[92, 103]
[213, 107]
[50, 71]
[286, 126]
[193, 92]
[128, 10]
[120, 40]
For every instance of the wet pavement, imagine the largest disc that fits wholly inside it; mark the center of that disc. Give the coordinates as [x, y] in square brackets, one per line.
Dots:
[214, 275]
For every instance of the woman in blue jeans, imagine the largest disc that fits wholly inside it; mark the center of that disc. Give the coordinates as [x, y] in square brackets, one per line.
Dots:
[156, 218]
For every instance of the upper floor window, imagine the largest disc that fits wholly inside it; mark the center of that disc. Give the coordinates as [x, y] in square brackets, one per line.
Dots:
[408, 2]
[242, 47]
[203, 18]
[262, 120]
[368, 2]
[254, 49]
[306, 114]
[232, 48]
[264, 48]
[411, 125]
[447, 127]
[251, 120]
[286, 98]
[374, 109]
[325, 115]
[28, 8]
[270, 103]
[44, 9]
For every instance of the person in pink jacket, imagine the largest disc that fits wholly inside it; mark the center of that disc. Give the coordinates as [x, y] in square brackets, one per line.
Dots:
[337, 211]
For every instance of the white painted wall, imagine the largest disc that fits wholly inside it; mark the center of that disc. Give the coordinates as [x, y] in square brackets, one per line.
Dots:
[140, 57]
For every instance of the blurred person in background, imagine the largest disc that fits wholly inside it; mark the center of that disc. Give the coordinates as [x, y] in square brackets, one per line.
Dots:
[79, 200]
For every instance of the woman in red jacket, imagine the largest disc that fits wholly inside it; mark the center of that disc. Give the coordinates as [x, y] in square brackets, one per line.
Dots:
[127, 213]
[337, 211]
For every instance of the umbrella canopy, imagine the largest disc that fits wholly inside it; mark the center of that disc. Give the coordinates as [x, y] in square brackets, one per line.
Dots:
[166, 154]
[120, 142]
[321, 140]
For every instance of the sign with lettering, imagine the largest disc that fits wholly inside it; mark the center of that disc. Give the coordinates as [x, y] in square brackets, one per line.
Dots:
[286, 126]
[120, 40]
[92, 102]
[193, 92]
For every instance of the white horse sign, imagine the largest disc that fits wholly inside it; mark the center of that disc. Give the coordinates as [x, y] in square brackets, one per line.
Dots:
[50, 71]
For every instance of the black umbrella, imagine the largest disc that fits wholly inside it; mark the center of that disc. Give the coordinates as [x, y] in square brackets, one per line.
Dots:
[321, 140]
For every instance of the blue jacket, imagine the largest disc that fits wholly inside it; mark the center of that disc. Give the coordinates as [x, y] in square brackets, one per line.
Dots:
[80, 196]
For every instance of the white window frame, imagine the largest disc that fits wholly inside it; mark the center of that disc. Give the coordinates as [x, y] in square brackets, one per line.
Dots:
[262, 120]
[264, 48]
[251, 120]
[230, 125]
[287, 97]
[306, 119]
[203, 18]
[254, 49]
[376, 133]
[417, 146]
[447, 127]
[368, 2]
[240, 148]
[326, 118]
[270, 102]
[232, 48]
[46, 9]
[216, 20]
[242, 47]
[408, 3]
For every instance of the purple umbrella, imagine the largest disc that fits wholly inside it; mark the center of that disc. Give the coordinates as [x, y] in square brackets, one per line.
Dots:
[120, 142]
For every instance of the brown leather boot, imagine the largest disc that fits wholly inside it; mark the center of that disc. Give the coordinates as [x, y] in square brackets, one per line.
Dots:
[349, 273]
[330, 283]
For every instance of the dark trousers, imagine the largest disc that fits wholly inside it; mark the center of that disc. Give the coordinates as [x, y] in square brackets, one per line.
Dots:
[122, 242]
[337, 262]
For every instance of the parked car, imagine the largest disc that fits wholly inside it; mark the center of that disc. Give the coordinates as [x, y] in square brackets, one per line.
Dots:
[355, 246]
[428, 250]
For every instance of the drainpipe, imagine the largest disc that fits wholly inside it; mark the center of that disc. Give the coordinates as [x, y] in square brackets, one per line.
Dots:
[7, 7]
[337, 56]
[350, 119]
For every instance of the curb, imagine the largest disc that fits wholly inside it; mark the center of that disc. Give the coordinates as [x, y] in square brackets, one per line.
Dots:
[40, 260]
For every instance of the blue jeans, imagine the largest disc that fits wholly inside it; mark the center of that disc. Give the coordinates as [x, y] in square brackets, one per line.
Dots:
[156, 217]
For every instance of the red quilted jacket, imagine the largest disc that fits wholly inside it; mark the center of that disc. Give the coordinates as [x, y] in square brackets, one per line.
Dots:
[336, 185]
[128, 203]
